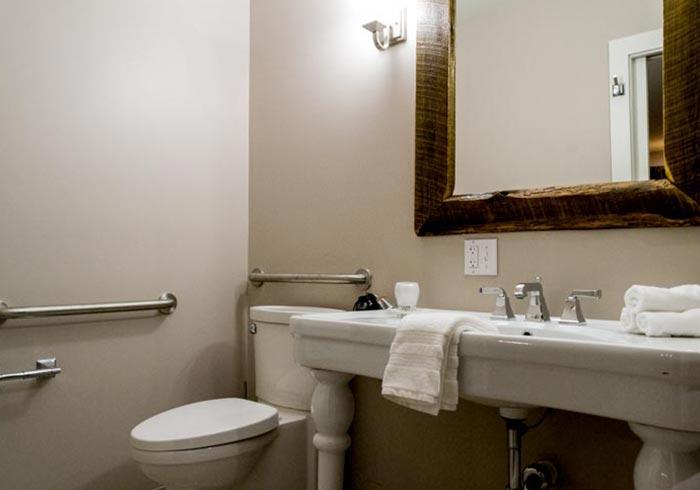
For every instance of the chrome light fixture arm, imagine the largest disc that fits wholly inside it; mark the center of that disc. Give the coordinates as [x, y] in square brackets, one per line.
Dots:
[389, 34]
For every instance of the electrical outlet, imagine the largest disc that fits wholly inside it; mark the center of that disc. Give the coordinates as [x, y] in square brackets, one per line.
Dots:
[481, 257]
[472, 257]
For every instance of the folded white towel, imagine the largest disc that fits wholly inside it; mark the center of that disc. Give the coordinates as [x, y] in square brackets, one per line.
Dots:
[670, 324]
[650, 298]
[424, 360]
[628, 318]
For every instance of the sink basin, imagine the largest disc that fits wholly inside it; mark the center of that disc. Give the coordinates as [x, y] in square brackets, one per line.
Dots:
[595, 369]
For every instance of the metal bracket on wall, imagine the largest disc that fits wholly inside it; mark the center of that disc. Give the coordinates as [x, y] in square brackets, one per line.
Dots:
[388, 34]
[45, 368]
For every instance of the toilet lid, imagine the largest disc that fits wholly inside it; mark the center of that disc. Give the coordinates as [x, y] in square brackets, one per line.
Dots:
[203, 424]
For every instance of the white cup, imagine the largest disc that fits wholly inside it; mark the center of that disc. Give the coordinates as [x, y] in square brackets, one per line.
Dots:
[406, 294]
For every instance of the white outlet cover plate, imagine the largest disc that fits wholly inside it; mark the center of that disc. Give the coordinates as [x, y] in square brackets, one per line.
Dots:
[481, 257]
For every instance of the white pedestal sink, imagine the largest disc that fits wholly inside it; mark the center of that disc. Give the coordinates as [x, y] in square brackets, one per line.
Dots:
[653, 383]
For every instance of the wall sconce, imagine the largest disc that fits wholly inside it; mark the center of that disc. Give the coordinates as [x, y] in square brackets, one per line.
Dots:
[387, 34]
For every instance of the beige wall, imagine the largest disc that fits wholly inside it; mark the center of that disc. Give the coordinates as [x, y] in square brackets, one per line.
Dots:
[332, 122]
[532, 98]
[123, 149]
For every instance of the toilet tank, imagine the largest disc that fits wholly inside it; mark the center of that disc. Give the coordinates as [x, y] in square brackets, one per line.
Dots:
[278, 379]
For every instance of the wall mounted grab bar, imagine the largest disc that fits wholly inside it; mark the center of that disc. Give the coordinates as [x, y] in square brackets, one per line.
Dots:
[166, 304]
[45, 368]
[258, 277]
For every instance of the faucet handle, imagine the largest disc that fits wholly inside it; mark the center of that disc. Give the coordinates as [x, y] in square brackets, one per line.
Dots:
[502, 310]
[586, 293]
[573, 314]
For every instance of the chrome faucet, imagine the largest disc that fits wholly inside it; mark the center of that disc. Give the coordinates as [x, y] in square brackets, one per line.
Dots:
[537, 311]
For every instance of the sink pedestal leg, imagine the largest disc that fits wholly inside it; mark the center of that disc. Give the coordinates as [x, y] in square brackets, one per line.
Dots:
[668, 458]
[332, 409]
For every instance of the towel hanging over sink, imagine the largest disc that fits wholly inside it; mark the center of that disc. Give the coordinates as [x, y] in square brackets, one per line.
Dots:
[424, 360]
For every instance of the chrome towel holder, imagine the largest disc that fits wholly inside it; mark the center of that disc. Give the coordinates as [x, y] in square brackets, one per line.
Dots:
[363, 277]
[166, 304]
[45, 368]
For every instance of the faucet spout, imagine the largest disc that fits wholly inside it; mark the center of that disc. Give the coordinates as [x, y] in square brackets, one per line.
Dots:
[537, 311]
[524, 289]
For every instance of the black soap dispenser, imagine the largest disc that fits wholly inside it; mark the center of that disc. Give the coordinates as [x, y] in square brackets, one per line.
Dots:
[370, 301]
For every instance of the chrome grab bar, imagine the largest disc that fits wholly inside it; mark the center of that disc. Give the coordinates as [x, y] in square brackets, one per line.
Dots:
[166, 304]
[45, 368]
[258, 277]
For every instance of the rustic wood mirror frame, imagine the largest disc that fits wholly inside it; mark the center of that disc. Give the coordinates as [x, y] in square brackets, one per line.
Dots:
[669, 202]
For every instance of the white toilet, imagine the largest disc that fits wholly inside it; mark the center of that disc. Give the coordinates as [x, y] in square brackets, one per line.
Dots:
[238, 444]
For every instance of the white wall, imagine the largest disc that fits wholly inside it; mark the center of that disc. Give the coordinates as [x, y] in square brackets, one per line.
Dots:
[123, 174]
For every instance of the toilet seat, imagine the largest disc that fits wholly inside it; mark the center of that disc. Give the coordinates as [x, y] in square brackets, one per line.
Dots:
[203, 425]
[204, 454]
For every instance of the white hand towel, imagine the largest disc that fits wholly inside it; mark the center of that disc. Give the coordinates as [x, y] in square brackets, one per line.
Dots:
[650, 298]
[424, 360]
[670, 324]
[628, 319]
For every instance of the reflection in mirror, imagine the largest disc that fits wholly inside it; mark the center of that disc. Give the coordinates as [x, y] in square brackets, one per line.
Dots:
[534, 93]
[655, 116]
[636, 115]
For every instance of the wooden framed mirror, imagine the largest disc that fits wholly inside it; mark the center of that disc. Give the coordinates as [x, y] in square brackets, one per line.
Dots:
[665, 202]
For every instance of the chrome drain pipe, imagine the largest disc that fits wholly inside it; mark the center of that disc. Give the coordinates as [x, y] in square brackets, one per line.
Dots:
[515, 428]
[537, 476]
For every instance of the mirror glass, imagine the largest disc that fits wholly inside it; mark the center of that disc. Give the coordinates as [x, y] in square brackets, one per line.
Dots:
[557, 92]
